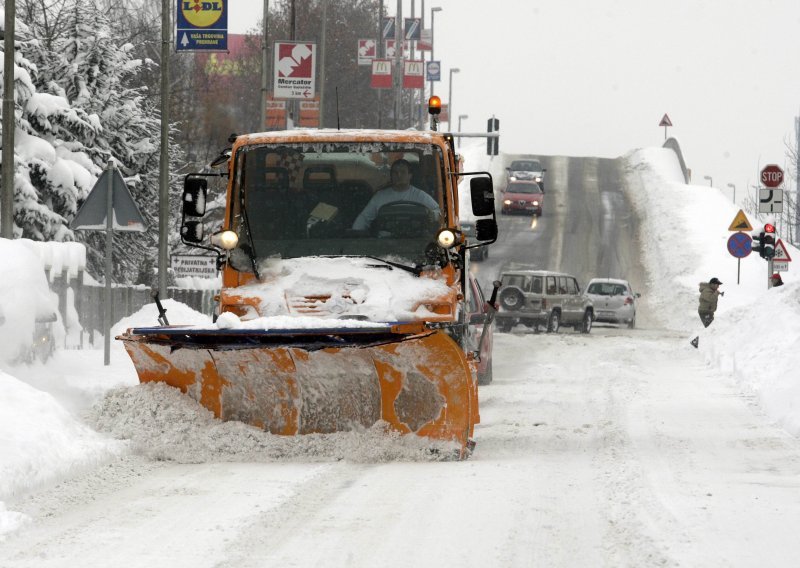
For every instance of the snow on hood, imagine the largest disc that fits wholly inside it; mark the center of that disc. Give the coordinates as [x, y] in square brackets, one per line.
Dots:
[321, 292]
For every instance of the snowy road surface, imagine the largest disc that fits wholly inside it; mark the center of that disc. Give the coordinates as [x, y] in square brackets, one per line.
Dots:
[619, 449]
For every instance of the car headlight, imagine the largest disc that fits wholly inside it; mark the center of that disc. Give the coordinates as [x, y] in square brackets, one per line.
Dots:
[506, 202]
[538, 179]
[512, 178]
[535, 202]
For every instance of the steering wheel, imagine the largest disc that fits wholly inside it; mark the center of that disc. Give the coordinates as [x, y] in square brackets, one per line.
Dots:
[403, 219]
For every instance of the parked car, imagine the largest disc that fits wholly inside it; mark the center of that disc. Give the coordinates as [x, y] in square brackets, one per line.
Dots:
[479, 253]
[478, 312]
[526, 170]
[522, 197]
[614, 301]
[542, 298]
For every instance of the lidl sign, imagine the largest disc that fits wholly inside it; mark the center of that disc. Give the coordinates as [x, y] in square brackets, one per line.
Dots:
[202, 25]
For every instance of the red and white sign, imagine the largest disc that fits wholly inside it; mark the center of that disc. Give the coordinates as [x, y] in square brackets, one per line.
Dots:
[390, 51]
[367, 51]
[381, 74]
[308, 115]
[665, 121]
[413, 75]
[771, 175]
[425, 43]
[276, 115]
[295, 70]
[781, 254]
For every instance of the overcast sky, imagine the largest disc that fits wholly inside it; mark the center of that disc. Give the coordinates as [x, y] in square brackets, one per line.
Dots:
[589, 78]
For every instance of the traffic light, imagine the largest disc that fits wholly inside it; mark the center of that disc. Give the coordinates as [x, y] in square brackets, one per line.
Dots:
[768, 242]
[493, 144]
[758, 243]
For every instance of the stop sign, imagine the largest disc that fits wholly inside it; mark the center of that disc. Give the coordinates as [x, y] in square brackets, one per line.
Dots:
[772, 175]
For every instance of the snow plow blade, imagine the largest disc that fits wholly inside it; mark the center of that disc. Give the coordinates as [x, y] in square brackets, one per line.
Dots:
[304, 381]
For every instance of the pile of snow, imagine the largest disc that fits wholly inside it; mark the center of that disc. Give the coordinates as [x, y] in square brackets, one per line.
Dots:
[756, 333]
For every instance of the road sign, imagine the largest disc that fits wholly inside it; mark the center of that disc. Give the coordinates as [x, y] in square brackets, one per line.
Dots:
[740, 223]
[665, 121]
[770, 200]
[781, 254]
[771, 175]
[295, 70]
[367, 51]
[202, 26]
[412, 28]
[740, 245]
[780, 266]
[93, 214]
[387, 29]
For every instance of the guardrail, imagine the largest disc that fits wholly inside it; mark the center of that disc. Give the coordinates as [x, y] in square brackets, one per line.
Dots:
[672, 144]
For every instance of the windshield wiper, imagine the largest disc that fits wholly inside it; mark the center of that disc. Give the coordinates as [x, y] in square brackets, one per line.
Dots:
[415, 270]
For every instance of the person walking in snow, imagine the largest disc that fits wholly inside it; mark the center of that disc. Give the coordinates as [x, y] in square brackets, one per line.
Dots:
[709, 293]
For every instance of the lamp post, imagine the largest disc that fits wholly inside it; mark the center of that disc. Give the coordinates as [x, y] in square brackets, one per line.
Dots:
[460, 116]
[732, 186]
[450, 100]
[433, 13]
[710, 181]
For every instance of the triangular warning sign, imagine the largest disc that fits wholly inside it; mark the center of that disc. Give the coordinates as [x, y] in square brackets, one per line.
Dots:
[93, 214]
[665, 121]
[740, 223]
[781, 254]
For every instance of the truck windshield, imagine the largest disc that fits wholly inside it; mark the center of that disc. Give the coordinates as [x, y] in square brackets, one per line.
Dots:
[362, 199]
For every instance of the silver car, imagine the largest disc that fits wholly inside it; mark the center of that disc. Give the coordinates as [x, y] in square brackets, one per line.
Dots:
[614, 301]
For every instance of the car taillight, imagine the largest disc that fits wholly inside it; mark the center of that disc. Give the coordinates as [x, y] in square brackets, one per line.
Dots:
[628, 300]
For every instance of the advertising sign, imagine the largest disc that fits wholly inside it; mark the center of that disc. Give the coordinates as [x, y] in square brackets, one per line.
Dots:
[308, 115]
[387, 27]
[412, 28]
[425, 43]
[390, 51]
[202, 25]
[295, 67]
[434, 71]
[276, 115]
[367, 51]
[412, 75]
[381, 74]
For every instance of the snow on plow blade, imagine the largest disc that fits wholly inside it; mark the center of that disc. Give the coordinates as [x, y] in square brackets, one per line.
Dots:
[317, 381]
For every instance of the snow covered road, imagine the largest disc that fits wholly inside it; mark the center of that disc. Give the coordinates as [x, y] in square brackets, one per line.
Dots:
[621, 448]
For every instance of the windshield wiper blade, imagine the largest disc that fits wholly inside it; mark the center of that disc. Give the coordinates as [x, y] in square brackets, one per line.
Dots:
[415, 270]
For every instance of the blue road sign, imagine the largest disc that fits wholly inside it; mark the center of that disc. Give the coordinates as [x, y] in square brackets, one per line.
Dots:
[740, 245]
[202, 25]
[434, 71]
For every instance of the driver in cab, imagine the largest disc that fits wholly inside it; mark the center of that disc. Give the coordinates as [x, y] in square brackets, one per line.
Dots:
[400, 190]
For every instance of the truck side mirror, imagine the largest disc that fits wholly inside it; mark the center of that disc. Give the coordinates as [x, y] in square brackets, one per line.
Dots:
[482, 195]
[486, 229]
[195, 191]
[192, 231]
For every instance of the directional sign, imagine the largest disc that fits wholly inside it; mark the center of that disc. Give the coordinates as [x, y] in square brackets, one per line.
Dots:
[740, 245]
[295, 70]
[770, 200]
[202, 25]
[781, 254]
[771, 175]
[740, 223]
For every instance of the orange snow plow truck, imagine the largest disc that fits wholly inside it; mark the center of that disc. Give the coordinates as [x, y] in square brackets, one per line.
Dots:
[343, 287]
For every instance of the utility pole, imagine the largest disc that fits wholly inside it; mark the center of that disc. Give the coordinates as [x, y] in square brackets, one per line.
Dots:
[264, 67]
[322, 63]
[398, 62]
[420, 114]
[293, 28]
[380, 52]
[163, 178]
[9, 124]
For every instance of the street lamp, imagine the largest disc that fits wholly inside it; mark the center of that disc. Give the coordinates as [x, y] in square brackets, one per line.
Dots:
[460, 116]
[710, 181]
[433, 12]
[450, 100]
[734, 191]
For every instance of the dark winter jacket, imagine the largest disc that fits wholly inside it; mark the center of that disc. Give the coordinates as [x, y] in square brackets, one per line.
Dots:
[708, 298]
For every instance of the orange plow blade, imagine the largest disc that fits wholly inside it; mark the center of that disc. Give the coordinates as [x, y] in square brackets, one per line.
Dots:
[308, 382]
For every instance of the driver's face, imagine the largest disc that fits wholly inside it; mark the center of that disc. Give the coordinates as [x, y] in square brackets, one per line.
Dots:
[401, 177]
